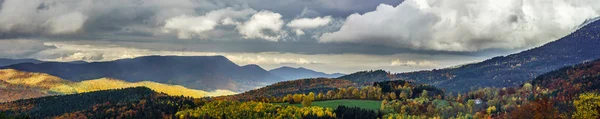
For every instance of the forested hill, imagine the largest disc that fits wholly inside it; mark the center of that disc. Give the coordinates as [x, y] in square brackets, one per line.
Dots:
[199, 72]
[368, 77]
[137, 102]
[299, 86]
[572, 80]
[512, 70]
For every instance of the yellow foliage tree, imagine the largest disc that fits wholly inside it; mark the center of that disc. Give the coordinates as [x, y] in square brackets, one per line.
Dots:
[298, 98]
[307, 101]
[587, 106]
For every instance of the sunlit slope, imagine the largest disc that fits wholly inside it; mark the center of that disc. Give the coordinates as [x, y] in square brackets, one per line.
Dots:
[53, 84]
[108, 83]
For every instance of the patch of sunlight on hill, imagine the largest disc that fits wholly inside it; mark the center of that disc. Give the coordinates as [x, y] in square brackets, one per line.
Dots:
[58, 85]
[107, 83]
[41, 80]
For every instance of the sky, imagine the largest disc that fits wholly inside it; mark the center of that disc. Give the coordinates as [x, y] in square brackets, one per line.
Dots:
[325, 35]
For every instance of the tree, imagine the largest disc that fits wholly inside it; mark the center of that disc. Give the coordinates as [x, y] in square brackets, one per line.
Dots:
[307, 101]
[330, 94]
[491, 109]
[289, 98]
[527, 87]
[297, 98]
[587, 106]
[424, 94]
[393, 96]
[403, 96]
[320, 96]
[471, 104]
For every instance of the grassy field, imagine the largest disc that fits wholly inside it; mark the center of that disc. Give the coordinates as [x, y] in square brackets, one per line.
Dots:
[366, 104]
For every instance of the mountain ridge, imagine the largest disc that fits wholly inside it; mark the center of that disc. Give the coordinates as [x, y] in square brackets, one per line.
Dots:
[291, 73]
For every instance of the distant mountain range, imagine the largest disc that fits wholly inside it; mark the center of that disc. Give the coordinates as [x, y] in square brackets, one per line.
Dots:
[290, 73]
[199, 72]
[512, 70]
[6, 62]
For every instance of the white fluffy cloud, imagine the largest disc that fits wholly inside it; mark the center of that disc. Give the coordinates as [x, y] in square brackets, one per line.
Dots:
[308, 23]
[265, 25]
[300, 24]
[188, 26]
[423, 63]
[466, 25]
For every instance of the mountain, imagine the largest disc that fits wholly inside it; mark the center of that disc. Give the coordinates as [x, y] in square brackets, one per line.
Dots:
[290, 73]
[6, 62]
[512, 70]
[198, 72]
[23, 85]
[136, 102]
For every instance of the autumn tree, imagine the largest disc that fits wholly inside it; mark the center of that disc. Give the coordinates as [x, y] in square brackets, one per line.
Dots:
[424, 94]
[320, 96]
[307, 100]
[587, 106]
[297, 98]
[403, 96]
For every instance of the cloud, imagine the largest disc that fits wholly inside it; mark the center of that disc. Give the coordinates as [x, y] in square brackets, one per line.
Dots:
[308, 23]
[264, 25]
[21, 48]
[423, 63]
[67, 23]
[188, 26]
[64, 17]
[465, 25]
[299, 24]
[37, 16]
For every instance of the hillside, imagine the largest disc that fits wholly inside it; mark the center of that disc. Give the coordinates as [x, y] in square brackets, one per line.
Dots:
[572, 80]
[39, 84]
[198, 72]
[138, 102]
[368, 77]
[512, 70]
[292, 87]
[290, 73]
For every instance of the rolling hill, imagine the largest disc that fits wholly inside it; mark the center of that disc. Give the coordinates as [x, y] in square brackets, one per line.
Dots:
[512, 70]
[198, 72]
[292, 87]
[24, 85]
[290, 73]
